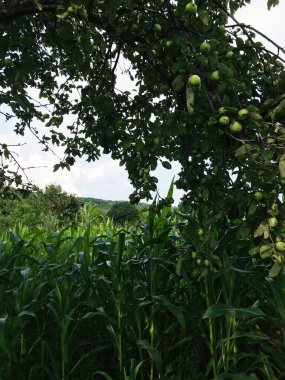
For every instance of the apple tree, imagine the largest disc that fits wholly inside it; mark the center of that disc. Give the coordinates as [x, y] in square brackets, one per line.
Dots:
[207, 95]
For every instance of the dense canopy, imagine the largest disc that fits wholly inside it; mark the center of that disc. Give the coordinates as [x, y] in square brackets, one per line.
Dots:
[59, 62]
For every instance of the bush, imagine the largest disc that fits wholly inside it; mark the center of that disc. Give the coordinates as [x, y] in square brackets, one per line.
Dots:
[51, 208]
[122, 212]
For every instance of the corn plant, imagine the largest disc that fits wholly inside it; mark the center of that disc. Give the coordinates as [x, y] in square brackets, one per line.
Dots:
[153, 301]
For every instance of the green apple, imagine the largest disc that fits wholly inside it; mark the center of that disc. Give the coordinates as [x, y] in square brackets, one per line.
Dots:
[168, 43]
[206, 262]
[280, 246]
[194, 80]
[222, 28]
[243, 112]
[258, 195]
[200, 261]
[272, 222]
[229, 54]
[200, 232]
[156, 141]
[157, 28]
[235, 127]
[72, 9]
[215, 75]
[134, 28]
[224, 120]
[194, 255]
[190, 9]
[205, 47]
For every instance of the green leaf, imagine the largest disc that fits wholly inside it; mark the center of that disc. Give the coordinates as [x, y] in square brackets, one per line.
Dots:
[171, 189]
[104, 374]
[265, 251]
[2, 323]
[28, 313]
[272, 3]
[204, 17]
[99, 313]
[252, 208]
[178, 83]
[242, 376]
[254, 335]
[206, 145]
[175, 310]
[166, 164]
[244, 149]
[26, 273]
[275, 270]
[219, 310]
[153, 353]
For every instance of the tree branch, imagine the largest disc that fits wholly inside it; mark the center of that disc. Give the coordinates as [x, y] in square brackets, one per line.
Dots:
[13, 13]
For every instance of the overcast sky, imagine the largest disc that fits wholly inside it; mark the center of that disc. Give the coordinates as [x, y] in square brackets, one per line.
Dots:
[104, 178]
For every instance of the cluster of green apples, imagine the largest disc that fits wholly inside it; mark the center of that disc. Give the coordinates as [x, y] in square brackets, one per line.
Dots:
[216, 75]
[261, 196]
[202, 265]
[279, 247]
[205, 48]
[135, 28]
[235, 126]
[199, 261]
[279, 252]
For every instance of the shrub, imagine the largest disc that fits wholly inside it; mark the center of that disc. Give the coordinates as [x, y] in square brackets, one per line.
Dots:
[122, 212]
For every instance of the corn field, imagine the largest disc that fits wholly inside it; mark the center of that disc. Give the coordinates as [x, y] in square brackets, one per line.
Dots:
[99, 301]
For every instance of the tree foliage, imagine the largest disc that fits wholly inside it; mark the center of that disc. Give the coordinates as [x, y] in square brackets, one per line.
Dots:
[122, 212]
[51, 208]
[60, 58]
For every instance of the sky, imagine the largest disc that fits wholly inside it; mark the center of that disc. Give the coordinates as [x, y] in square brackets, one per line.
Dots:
[105, 178]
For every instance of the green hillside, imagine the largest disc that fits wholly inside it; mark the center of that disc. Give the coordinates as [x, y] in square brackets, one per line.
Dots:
[105, 205]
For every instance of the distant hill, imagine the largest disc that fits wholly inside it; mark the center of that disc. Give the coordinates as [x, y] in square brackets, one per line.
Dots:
[105, 205]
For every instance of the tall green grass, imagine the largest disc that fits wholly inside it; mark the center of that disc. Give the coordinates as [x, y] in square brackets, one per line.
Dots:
[95, 301]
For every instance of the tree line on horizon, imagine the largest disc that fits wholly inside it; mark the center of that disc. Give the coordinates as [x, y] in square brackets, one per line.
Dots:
[54, 208]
